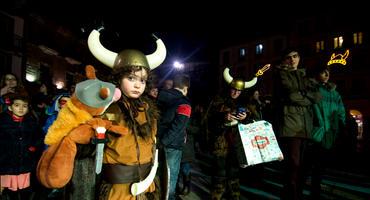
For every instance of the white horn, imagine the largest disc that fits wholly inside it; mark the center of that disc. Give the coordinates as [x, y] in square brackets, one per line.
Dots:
[248, 84]
[228, 78]
[99, 51]
[141, 186]
[156, 58]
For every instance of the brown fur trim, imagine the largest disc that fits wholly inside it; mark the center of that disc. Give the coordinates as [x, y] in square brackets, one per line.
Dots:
[146, 118]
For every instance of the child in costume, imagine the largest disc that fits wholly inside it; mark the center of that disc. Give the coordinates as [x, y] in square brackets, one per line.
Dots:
[129, 160]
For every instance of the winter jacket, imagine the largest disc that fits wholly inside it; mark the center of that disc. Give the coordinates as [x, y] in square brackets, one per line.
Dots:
[175, 111]
[193, 131]
[295, 95]
[330, 116]
[20, 144]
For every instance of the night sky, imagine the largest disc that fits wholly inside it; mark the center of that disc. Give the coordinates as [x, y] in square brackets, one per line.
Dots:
[191, 30]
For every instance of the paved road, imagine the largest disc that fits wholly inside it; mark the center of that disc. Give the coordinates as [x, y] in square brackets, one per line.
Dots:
[336, 184]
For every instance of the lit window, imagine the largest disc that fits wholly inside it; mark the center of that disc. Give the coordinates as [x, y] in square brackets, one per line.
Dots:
[317, 47]
[242, 52]
[357, 38]
[320, 46]
[338, 42]
[259, 49]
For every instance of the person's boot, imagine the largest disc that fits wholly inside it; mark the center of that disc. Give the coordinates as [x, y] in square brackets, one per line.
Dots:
[186, 184]
[25, 194]
[234, 187]
[10, 195]
[179, 189]
[217, 192]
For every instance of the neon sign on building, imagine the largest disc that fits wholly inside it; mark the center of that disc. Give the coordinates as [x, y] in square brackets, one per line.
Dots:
[339, 58]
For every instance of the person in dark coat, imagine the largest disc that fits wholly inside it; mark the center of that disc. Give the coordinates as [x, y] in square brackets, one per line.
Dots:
[293, 124]
[330, 121]
[223, 115]
[20, 145]
[175, 114]
[188, 153]
[40, 101]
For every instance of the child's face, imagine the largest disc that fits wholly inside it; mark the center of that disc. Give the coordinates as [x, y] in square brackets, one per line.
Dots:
[324, 76]
[19, 108]
[63, 101]
[134, 84]
[43, 88]
[168, 84]
[154, 92]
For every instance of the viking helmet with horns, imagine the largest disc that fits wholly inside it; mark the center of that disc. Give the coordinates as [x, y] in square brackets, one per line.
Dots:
[238, 84]
[128, 57]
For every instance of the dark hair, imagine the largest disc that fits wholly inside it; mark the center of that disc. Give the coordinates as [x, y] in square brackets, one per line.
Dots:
[316, 71]
[15, 96]
[288, 50]
[181, 81]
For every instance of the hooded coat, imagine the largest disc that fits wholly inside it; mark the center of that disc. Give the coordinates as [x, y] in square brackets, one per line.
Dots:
[330, 114]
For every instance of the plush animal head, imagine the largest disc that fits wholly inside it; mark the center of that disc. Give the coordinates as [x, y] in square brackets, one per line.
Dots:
[94, 95]
[91, 98]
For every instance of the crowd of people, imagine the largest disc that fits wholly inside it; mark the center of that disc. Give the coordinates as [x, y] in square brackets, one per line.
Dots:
[306, 111]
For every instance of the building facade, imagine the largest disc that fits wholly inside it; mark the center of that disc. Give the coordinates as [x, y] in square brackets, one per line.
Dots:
[319, 38]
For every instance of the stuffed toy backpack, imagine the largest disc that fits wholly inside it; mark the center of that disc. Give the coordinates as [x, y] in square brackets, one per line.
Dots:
[77, 123]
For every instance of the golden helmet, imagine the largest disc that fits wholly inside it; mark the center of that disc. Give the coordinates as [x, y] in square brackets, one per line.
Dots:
[128, 57]
[237, 83]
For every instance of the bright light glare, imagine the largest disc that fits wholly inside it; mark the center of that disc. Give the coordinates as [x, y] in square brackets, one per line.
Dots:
[30, 77]
[59, 84]
[178, 65]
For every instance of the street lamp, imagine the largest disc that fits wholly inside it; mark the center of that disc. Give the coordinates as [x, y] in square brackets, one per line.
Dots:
[178, 65]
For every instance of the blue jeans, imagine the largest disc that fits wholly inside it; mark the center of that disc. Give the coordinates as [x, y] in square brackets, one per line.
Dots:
[173, 157]
[185, 168]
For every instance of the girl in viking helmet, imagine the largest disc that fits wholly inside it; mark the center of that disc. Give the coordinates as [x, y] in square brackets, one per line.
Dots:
[224, 113]
[129, 162]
